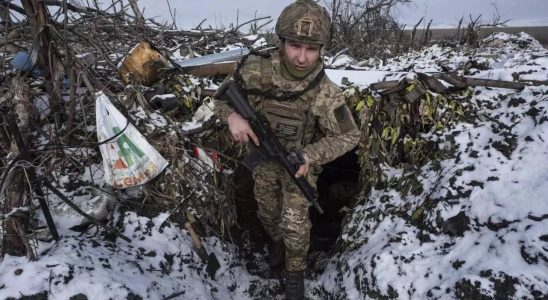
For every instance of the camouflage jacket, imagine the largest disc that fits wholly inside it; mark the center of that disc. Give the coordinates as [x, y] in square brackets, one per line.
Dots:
[319, 123]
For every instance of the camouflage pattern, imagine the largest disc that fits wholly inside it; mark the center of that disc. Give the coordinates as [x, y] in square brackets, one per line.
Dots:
[304, 21]
[284, 213]
[326, 135]
[328, 131]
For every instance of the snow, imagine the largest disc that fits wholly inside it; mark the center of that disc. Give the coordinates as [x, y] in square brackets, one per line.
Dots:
[361, 78]
[512, 195]
[503, 194]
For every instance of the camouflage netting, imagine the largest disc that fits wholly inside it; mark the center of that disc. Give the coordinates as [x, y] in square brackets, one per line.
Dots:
[394, 124]
[450, 207]
[406, 126]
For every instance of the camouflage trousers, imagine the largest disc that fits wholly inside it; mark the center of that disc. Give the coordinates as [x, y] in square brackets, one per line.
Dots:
[283, 210]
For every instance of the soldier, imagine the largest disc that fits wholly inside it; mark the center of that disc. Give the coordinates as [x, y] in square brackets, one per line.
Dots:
[307, 112]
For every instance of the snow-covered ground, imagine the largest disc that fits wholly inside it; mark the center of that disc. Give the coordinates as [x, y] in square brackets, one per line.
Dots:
[479, 224]
[478, 227]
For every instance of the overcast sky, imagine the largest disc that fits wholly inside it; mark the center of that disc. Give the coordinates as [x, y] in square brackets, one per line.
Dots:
[219, 13]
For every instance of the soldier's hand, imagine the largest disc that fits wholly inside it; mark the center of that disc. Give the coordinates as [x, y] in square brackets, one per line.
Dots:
[303, 169]
[240, 130]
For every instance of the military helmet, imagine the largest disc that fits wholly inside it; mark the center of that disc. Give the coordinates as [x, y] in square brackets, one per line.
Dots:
[304, 21]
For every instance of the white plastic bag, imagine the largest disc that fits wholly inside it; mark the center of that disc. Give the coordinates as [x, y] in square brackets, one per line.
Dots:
[128, 160]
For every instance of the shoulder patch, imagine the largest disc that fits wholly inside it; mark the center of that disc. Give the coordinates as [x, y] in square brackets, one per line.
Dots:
[344, 118]
[341, 113]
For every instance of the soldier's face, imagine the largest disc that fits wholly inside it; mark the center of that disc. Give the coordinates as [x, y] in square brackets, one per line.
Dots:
[301, 55]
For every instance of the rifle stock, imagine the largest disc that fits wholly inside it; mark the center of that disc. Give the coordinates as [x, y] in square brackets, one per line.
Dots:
[270, 147]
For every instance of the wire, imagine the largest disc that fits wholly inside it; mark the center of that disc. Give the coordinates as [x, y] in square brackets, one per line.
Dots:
[85, 145]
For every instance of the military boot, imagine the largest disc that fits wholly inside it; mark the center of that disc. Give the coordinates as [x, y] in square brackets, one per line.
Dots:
[294, 285]
[277, 257]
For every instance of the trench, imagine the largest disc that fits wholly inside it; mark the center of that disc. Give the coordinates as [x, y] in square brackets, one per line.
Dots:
[337, 184]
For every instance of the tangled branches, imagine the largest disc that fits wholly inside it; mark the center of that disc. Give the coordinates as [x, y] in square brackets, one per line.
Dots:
[70, 52]
[366, 28]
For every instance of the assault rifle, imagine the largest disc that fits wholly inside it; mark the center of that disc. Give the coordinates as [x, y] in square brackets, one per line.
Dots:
[270, 147]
